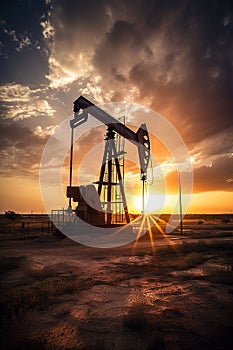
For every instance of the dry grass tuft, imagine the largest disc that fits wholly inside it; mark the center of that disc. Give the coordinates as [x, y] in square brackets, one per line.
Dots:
[192, 260]
[40, 297]
[41, 274]
[17, 308]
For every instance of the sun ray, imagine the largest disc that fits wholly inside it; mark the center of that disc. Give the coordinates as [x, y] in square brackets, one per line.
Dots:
[162, 231]
[150, 235]
[141, 229]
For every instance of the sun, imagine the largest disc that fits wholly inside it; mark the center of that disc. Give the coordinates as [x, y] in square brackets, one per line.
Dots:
[136, 204]
[154, 203]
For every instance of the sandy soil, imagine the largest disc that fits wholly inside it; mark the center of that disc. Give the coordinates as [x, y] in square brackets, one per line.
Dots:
[131, 297]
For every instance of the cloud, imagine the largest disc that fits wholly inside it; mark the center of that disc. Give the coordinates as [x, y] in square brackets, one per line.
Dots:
[76, 28]
[192, 83]
[20, 150]
[213, 146]
[215, 177]
[9, 32]
[59, 75]
[22, 40]
[48, 30]
[21, 102]
[44, 132]
[23, 43]
[177, 58]
[174, 57]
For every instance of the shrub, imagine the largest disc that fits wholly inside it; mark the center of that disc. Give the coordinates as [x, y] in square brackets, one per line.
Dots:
[200, 222]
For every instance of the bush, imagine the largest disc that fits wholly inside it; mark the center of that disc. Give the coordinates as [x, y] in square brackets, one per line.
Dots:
[200, 222]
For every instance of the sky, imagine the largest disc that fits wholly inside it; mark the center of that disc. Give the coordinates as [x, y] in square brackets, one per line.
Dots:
[174, 57]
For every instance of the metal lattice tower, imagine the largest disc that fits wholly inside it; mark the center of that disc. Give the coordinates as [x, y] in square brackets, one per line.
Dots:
[120, 149]
[115, 204]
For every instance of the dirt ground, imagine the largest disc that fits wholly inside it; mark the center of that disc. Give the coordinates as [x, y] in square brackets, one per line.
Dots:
[176, 293]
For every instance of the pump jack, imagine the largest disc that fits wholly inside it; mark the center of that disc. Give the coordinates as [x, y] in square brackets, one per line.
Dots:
[87, 195]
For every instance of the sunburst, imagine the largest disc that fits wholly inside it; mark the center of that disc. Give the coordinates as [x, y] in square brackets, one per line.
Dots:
[146, 222]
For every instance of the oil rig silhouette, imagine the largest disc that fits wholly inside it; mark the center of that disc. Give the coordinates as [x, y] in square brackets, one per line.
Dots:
[103, 203]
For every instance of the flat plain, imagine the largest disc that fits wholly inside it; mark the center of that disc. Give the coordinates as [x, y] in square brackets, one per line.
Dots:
[174, 292]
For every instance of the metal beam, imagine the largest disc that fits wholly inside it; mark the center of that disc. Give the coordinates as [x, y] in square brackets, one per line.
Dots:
[103, 117]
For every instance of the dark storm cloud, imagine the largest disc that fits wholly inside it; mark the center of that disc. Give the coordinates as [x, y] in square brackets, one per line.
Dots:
[74, 14]
[179, 54]
[120, 48]
[79, 25]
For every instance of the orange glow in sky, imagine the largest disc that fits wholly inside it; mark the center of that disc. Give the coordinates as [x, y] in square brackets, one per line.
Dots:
[24, 197]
